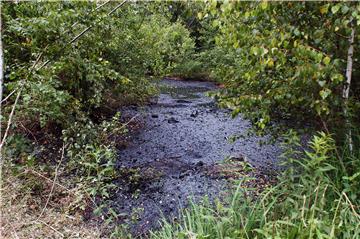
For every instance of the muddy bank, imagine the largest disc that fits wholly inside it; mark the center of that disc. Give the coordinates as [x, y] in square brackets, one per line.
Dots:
[167, 160]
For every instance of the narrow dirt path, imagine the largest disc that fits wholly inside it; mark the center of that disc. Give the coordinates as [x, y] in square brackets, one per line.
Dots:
[183, 133]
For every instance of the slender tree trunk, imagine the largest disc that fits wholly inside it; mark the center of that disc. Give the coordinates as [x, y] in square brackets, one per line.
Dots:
[1, 96]
[346, 89]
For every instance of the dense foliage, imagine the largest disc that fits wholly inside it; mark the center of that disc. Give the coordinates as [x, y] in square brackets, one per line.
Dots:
[286, 59]
[104, 63]
[73, 64]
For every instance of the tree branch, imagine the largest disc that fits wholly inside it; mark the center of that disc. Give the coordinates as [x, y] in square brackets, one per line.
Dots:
[53, 184]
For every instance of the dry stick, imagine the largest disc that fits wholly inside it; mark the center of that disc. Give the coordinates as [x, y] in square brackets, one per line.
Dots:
[97, 8]
[15, 103]
[48, 179]
[8, 96]
[351, 205]
[60, 185]
[29, 131]
[62, 235]
[124, 125]
[10, 119]
[1, 73]
[53, 185]
[14, 231]
[117, 7]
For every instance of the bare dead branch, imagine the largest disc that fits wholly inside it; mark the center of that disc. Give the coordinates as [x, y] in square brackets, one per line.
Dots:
[8, 96]
[53, 184]
[3, 140]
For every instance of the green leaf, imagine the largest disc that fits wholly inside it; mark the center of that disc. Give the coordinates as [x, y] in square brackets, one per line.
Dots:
[335, 8]
[324, 9]
[325, 93]
[213, 4]
[254, 50]
[297, 32]
[344, 9]
[326, 60]
[322, 83]
[264, 5]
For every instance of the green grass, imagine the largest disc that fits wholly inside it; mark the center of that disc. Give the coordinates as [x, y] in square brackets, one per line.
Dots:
[316, 197]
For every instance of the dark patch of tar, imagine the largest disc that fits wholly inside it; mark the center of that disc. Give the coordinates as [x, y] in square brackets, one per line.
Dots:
[163, 164]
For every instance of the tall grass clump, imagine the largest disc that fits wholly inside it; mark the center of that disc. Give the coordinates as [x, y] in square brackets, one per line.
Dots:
[317, 196]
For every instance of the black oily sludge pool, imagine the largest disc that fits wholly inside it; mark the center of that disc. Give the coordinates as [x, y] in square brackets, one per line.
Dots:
[163, 164]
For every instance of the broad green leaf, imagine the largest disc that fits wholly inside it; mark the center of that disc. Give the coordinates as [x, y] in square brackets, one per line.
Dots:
[344, 9]
[324, 9]
[325, 93]
[335, 8]
[322, 83]
[264, 5]
[326, 60]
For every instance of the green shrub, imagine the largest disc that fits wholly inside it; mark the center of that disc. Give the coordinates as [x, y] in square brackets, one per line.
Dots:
[277, 67]
[113, 61]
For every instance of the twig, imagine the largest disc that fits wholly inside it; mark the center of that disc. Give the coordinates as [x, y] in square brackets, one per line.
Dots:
[29, 131]
[116, 8]
[60, 185]
[79, 35]
[1, 95]
[10, 119]
[124, 125]
[48, 179]
[53, 185]
[340, 35]
[14, 231]
[88, 28]
[351, 205]
[3, 140]
[318, 50]
[97, 8]
[62, 235]
[8, 96]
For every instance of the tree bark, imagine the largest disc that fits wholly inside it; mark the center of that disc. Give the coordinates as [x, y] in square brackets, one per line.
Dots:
[1, 96]
[346, 89]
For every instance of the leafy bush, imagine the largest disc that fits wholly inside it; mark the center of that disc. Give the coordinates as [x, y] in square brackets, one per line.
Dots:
[277, 65]
[104, 64]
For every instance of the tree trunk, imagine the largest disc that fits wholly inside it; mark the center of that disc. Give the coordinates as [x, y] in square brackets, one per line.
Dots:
[1, 96]
[346, 89]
